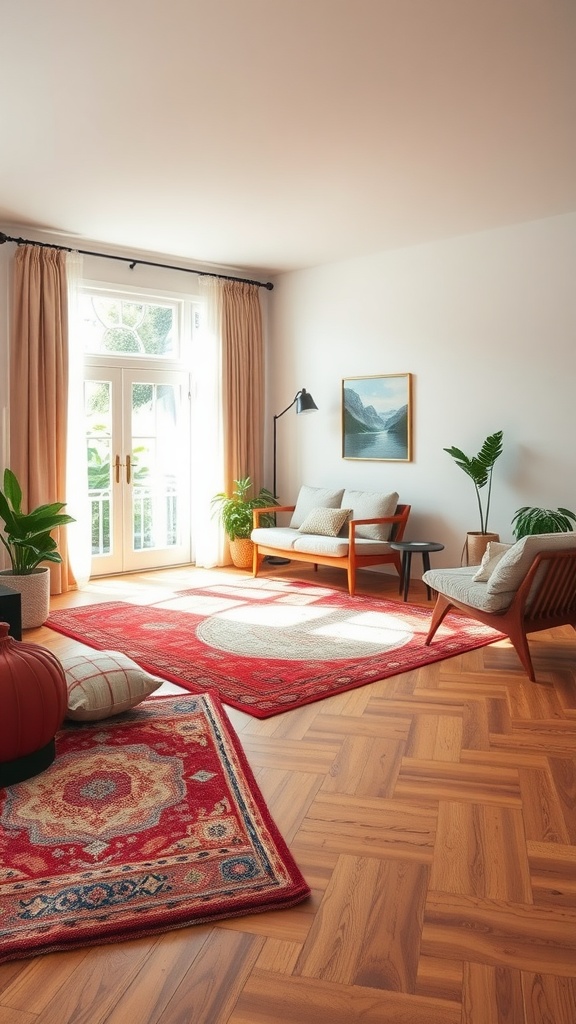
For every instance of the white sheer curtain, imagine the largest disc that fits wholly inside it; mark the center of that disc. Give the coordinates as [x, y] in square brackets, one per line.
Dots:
[78, 504]
[210, 546]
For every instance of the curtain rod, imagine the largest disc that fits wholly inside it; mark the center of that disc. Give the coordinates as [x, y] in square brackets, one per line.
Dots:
[134, 262]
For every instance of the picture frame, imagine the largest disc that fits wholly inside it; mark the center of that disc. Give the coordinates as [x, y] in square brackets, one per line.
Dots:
[377, 417]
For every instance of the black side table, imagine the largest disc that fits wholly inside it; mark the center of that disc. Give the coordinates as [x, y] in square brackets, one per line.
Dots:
[10, 611]
[408, 548]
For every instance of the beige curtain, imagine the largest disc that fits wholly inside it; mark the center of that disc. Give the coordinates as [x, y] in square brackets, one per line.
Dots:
[242, 383]
[39, 386]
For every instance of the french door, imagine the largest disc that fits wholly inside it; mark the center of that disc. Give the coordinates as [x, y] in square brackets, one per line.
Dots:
[138, 463]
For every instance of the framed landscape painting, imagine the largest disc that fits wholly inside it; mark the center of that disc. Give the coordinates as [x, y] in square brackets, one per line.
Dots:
[377, 417]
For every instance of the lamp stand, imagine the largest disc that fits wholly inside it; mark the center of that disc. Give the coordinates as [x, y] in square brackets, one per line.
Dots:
[304, 403]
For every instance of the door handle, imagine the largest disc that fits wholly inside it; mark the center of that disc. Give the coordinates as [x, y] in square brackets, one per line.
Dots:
[117, 468]
[128, 469]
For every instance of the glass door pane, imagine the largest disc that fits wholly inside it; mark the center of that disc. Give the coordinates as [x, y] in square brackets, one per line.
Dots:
[138, 463]
[159, 495]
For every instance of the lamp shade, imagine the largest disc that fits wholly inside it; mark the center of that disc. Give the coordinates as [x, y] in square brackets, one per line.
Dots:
[305, 402]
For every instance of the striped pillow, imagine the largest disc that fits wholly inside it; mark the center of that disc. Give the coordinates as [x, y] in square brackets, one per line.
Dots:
[104, 683]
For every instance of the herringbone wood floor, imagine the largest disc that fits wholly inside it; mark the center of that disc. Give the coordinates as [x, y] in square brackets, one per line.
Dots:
[434, 816]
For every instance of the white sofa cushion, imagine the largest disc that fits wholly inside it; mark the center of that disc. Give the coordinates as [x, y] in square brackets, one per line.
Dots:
[337, 547]
[275, 536]
[514, 565]
[494, 552]
[371, 505]
[313, 544]
[326, 522]
[314, 497]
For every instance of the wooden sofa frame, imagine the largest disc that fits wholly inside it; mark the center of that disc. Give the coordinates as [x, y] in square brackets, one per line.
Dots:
[553, 604]
[352, 561]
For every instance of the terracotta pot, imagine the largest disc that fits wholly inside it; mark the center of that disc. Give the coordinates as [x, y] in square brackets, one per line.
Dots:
[35, 593]
[475, 546]
[241, 551]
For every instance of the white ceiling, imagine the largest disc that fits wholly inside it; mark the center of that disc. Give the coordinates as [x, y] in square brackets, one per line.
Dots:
[277, 134]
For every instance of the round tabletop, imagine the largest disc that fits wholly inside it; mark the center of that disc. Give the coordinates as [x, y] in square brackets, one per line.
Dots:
[416, 545]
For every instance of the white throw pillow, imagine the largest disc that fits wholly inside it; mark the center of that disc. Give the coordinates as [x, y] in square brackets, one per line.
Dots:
[104, 683]
[325, 522]
[314, 497]
[371, 505]
[494, 552]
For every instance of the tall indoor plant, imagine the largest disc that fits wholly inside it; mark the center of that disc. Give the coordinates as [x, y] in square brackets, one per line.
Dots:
[235, 514]
[27, 537]
[480, 468]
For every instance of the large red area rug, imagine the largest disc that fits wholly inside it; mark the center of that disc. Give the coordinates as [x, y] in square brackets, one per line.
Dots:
[267, 645]
[145, 822]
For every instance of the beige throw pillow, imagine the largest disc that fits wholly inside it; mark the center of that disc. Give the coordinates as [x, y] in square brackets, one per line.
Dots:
[104, 683]
[325, 522]
[494, 552]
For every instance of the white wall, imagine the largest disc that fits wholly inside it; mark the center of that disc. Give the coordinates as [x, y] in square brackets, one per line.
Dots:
[486, 324]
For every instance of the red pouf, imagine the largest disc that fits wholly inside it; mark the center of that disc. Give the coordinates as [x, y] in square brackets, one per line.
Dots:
[33, 698]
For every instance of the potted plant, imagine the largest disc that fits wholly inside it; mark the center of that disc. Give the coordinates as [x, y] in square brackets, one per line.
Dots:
[28, 541]
[235, 514]
[532, 520]
[479, 468]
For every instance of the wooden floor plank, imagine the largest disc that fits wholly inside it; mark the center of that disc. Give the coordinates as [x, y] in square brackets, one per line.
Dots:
[483, 852]
[494, 995]
[209, 990]
[548, 997]
[311, 1000]
[369, 827]
[440, 780]
[518, 936]
[367, 929]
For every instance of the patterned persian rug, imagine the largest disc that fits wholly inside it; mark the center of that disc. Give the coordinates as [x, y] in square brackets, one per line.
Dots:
[145, 822]
[267, 645]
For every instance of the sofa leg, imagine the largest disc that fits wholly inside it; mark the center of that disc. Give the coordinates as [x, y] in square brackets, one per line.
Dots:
[351, 579]
[441, 609]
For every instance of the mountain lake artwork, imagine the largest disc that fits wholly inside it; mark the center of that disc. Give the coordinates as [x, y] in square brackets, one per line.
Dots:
[377, 417]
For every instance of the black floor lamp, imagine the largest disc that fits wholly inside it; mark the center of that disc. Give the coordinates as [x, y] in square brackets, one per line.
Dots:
[304, 403]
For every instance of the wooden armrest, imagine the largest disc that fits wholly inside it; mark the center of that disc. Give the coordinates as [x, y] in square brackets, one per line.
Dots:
[380, 519]
[257, 512]
[399, 517]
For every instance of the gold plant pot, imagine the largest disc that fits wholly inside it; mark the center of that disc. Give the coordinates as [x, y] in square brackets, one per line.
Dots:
[241, 551]
[475, 546]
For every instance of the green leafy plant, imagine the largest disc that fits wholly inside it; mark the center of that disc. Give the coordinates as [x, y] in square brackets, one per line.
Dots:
[27, 535]
[531, 520]
[235, 511]
[479, 468]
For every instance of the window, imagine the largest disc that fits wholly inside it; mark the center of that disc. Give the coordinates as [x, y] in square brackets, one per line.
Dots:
[125, 325]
